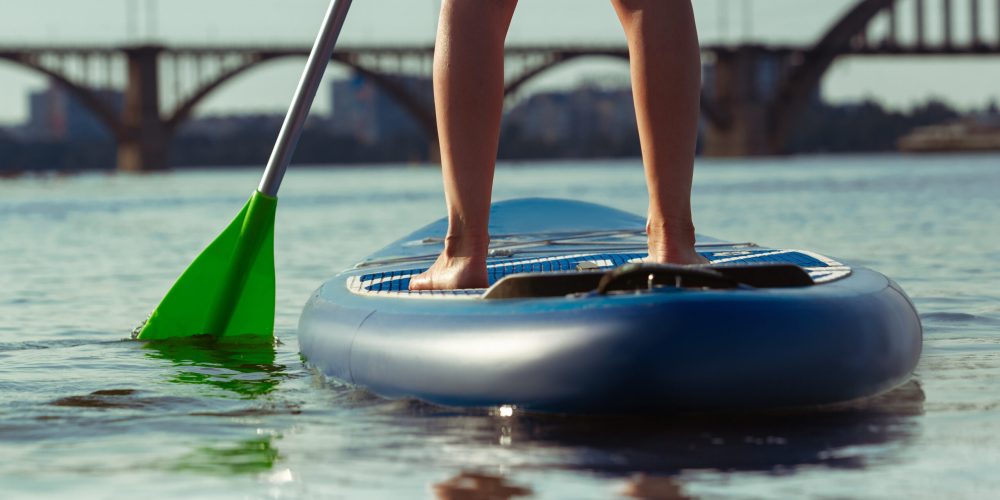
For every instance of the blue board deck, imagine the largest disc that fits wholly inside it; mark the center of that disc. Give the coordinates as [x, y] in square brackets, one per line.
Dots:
[821, 269]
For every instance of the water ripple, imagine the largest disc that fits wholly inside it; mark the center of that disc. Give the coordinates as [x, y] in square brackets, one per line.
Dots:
[52, 344]
[956, 317]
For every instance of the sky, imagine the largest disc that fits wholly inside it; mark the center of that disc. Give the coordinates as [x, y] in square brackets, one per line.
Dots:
[897, 82]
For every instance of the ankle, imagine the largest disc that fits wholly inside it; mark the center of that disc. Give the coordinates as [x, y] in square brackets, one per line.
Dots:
[673, 233]
[466, 245]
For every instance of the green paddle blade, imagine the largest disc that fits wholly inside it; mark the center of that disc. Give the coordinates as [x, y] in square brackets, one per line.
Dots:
[228, 291]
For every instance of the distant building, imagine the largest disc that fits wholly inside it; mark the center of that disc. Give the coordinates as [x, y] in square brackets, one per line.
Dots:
[543, 116]
[56, 115]
[577, 115]
[368, 114]
[231, 125]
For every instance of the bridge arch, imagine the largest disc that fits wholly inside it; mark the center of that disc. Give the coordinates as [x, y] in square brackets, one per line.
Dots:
[709, 110]
[88, 98]
[109, 117]
[411, 103]
[796, 89]
[554, 60]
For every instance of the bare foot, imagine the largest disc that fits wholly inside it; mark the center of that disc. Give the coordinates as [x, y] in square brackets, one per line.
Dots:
[670, 245]
[462, 264]
[452, 273]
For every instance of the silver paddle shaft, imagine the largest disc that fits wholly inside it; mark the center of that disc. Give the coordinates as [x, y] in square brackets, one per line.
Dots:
[291, 129]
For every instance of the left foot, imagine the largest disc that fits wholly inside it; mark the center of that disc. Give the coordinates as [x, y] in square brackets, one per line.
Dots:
[672, 244]
[462, 264]
[452, 273]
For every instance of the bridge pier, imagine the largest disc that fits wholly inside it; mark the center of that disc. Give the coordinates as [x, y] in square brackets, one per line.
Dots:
[740, 83]
[142, 150]
[144, 139]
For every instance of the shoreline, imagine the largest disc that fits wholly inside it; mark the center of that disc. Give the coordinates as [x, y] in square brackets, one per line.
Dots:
[512, 163]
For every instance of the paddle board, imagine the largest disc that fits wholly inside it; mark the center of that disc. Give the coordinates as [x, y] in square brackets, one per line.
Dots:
[576, 321]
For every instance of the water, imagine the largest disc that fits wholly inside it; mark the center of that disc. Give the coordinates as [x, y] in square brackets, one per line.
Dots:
[83, 259]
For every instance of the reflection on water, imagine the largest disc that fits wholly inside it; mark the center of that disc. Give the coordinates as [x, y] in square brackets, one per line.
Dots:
[478, 486]
[657, 446]
[653, 487]
[664, 446]
[254, 456]
[246, 370]
[105, 398]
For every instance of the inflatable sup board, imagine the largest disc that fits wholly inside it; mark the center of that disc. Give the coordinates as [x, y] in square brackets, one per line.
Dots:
[575, 321]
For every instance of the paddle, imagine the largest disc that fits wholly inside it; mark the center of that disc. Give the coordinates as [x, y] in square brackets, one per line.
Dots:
[228, 291]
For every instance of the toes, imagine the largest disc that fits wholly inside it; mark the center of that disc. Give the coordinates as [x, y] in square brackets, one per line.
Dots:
[420, 282]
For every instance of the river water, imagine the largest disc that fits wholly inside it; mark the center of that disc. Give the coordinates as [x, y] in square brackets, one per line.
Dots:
[84, 412]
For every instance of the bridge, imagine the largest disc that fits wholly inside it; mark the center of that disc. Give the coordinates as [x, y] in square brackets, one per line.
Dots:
[753, 94]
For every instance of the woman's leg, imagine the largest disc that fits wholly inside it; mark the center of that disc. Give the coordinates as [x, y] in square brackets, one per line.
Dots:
[666, 86]
[468, 96]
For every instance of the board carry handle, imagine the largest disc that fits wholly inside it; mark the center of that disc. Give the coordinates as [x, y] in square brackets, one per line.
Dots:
[634, 277]
[648, 276]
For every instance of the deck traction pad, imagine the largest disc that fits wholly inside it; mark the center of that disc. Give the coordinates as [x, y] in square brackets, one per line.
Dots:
[396, 283]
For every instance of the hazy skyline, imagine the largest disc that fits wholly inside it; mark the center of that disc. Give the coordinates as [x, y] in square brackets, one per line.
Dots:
[897, 82]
